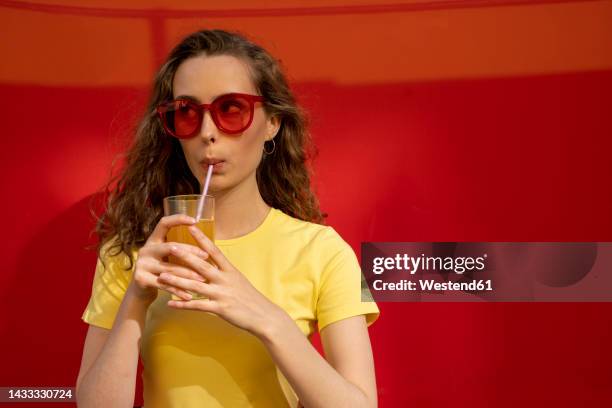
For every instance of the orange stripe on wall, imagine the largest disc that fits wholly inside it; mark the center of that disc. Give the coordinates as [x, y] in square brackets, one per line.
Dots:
[245, 8]
[432, 45]
[351, 49]
[58, 50]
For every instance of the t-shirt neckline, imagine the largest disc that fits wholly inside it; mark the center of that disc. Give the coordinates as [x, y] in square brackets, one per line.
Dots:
[250, 235]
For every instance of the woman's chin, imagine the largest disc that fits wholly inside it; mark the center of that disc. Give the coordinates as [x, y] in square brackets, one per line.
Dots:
[214, 186]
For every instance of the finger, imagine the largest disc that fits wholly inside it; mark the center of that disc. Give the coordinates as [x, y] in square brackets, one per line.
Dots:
[202, 288]
[207, 245]
[165, 223]
[203, 305]
[177, 270]
[151, 281]
[164, 249]
[199, 265]
[175, 291]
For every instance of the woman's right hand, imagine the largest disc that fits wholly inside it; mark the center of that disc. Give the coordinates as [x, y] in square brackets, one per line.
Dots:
[151, 261]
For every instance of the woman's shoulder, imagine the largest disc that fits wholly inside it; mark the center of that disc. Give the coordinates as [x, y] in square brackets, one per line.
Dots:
[311, 233]
[112, 257]
[292, 224]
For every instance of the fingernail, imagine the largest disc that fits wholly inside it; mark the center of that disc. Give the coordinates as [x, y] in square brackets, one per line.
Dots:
[194, 230]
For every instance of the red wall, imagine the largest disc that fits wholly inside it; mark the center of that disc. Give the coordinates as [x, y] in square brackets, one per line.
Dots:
[504, 157]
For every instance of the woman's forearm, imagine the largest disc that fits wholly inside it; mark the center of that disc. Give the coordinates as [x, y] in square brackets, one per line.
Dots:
[111, 380]
[314, 380]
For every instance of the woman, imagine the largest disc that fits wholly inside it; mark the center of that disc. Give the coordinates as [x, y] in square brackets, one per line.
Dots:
[279, 271]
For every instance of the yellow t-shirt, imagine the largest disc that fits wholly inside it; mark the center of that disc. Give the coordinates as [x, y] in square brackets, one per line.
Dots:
[197, 359]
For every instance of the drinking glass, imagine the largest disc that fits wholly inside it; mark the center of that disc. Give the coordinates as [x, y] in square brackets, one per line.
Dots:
[188, 204]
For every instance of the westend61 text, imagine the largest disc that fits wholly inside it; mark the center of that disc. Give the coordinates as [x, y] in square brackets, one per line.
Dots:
[413, 264]
[431, 285]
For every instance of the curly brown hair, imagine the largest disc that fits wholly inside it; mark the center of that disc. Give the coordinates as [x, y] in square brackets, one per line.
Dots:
[155, 166]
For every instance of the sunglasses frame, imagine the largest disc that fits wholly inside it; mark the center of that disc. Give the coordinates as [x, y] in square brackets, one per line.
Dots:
[212, 108]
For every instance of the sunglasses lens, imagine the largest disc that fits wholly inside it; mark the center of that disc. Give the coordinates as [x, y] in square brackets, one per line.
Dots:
[181, 118]
[233, 112]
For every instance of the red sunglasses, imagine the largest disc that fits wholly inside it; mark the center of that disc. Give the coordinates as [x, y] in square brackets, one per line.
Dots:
[232, 113]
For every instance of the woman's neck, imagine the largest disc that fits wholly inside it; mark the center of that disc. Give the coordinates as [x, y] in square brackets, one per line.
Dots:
[239, 210]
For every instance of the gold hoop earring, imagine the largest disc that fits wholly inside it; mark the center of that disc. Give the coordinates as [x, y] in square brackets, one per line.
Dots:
[273, 148]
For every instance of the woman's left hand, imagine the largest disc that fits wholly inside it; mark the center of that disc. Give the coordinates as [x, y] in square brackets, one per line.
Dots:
[229, 293]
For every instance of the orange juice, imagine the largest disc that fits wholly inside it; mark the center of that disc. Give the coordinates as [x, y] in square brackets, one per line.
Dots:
[181, 234]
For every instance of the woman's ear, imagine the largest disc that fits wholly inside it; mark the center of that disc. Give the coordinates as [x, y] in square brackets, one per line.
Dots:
[273, 125]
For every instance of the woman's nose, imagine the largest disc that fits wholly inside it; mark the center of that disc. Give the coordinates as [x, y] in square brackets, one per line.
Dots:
[208, 130]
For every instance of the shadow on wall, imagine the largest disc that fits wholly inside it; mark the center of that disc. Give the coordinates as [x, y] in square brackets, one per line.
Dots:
[43, 334]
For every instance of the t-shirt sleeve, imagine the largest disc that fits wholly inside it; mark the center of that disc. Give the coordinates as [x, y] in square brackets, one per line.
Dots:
[343, 292]
[110, 283]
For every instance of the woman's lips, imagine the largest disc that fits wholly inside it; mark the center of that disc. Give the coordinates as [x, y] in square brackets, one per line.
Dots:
[216, 167]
